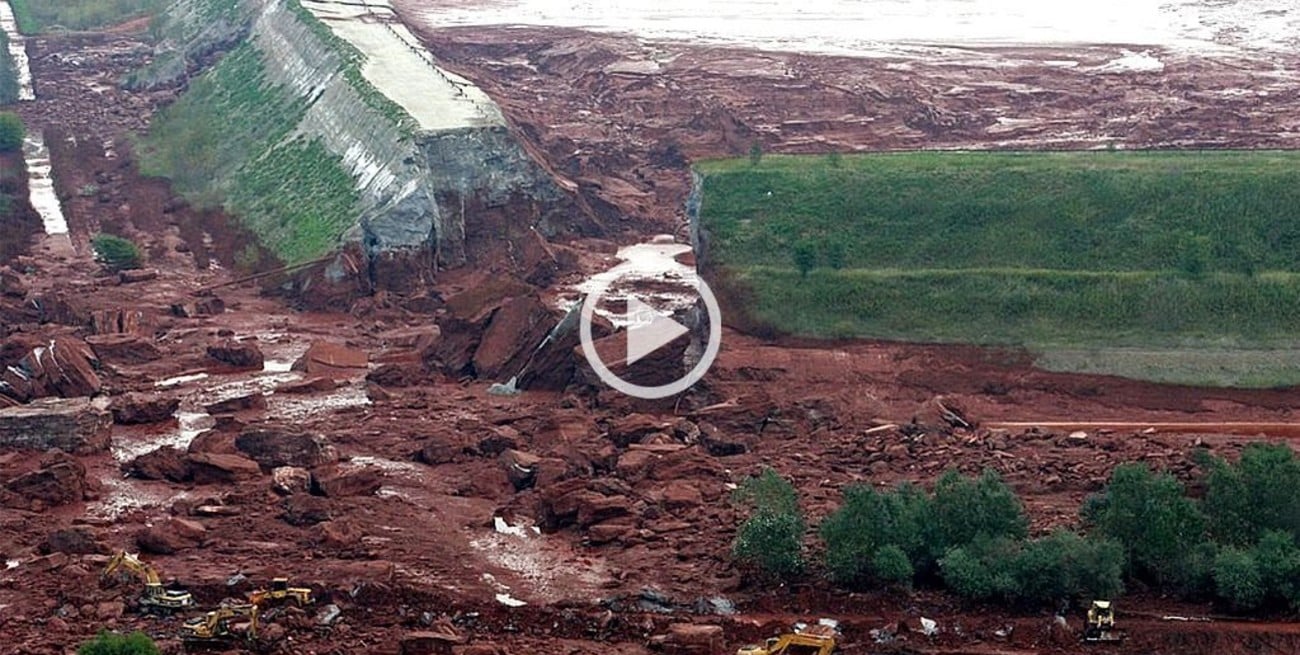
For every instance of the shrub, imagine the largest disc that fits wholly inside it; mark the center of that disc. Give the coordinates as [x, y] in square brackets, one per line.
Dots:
[1245, 500]
[980, 570]
[805, 256]
[116, 253]
[771, 539]
[109, 643]
[1237, 579]
[1065, 566]
[755, 153]
[870, 521]
[967, 508]
[11, 132]
[1278, 560]
[892, 567]
[1149, 515]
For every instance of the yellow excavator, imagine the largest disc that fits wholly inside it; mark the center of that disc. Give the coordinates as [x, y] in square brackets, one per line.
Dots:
[813, 640]
[281, 591]
[156, 598]
[1100, 626]
[215, 625]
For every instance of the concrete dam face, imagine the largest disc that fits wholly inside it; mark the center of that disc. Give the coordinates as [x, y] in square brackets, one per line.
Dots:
[327, 128]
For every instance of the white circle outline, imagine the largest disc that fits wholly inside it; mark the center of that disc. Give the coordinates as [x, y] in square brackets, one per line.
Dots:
[664, 390]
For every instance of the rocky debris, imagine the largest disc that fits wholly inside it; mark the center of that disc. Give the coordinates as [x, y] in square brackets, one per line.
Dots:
[199, 307]
[137, 408]
[11, 284]
[308, 386]
[216, 468]
[332, 360]
[64, 367]
[574, 503]
[131, 276]
[163, 463]
[274, 445]
[253, 402]
[339, 534]
[73, 541]
[237, 354]
[517, 327]
[633, 428]
[171, 536]
[305, 510]
[395, 375]
[117, 321]
[290, 480]
[521, 468]
[336, 482]
[428, 643]
[220, 439]
[443, 448]
[123, 349]
[59, 480]
[691, 639]
[75, 425]
[662, 366]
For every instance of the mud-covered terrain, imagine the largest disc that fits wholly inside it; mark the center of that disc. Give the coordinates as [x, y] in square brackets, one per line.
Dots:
[235, 439]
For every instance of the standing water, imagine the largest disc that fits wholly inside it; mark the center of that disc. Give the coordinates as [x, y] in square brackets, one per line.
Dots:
[17, 51]
[41, 183]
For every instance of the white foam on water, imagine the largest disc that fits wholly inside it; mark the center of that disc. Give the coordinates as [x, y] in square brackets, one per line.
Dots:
[40, 182]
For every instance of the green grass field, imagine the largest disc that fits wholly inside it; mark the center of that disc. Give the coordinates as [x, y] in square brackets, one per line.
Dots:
[1097, 253]
[35, 16]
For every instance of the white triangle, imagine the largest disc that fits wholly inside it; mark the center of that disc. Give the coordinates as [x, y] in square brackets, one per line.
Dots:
[644, 338]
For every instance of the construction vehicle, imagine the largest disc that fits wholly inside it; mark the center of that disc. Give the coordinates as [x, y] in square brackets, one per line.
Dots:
[1100, 626]
[811, 640]
[281, 591]
[156, 598]
[215, 625]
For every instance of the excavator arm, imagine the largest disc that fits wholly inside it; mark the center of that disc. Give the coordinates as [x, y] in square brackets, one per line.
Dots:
[132, 563]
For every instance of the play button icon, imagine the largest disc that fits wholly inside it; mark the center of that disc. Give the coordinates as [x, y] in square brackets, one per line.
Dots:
[648, 330]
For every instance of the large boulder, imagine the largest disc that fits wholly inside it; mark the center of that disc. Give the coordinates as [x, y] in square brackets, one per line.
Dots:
[335, 482]
[444, 448]
[137, 408]
[251, 402]
[62, 367]
[163, 463]
[123, 349]
[572, 503]
[332, 360]
[515, 331]
[216, 468]
[304, 510]
[242, 355]
[277, 445]
[59, 480]
[171, 536]
[693, 639]
[73, 541]
[75, 425]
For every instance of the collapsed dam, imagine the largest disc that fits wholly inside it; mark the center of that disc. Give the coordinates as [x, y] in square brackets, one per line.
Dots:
[326, 127]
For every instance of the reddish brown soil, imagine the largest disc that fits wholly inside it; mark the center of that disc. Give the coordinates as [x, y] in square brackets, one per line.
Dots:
[650, 491]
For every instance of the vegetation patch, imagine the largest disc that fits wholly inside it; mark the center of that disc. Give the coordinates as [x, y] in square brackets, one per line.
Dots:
[9, 88]
[1049, 250]
[116, 253]
[227, 142]
[34, 16]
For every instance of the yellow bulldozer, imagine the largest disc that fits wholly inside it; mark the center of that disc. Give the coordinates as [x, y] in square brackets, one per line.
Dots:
[155, 598]
[216, 625]
[280, 591]
[813, 640]
[1100, 624]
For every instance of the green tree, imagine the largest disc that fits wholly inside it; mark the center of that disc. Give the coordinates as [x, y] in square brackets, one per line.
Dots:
[1066, 566]
[869, 521]
[771, 539]
[1278, 560]
[981, 569]
[1258, 494]
[966, 508]
[891, 566]
[805, 256]
[118, 254]
[755, 153]
[1237, 579]
[1149, 515]
[110, 643]
[11, 132]
[837, 254]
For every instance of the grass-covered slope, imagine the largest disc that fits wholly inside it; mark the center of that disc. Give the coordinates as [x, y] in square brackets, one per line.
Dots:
[226, 141]
[34, 16]
[1051, 250]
